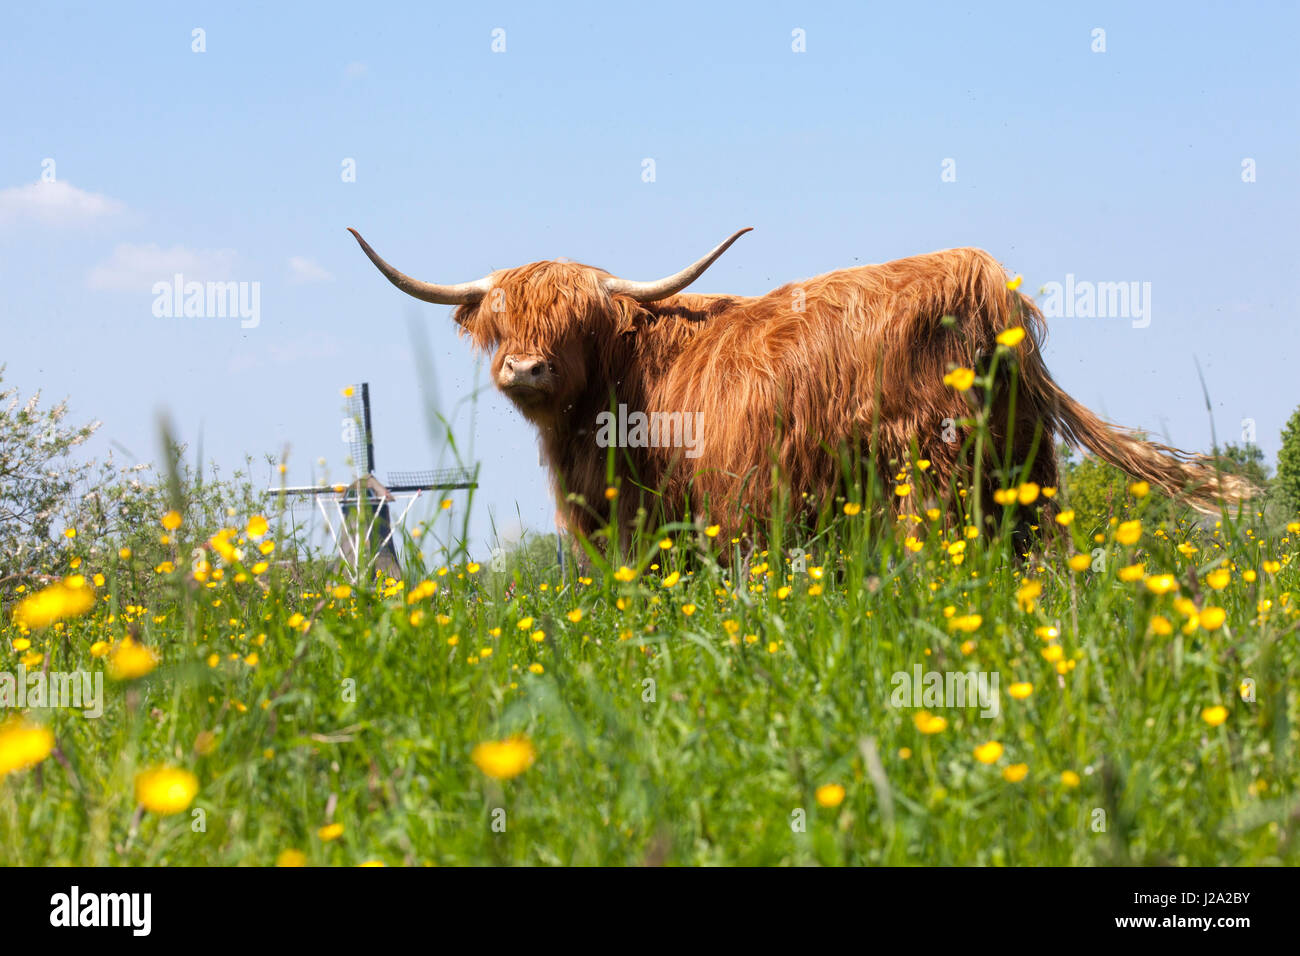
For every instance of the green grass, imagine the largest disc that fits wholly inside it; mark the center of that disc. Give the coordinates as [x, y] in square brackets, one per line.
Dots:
[662, 736]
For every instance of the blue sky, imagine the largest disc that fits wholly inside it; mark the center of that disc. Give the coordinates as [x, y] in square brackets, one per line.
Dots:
[1124, 165]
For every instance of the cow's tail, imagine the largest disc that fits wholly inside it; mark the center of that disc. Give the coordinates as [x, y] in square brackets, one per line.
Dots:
[1190, 478]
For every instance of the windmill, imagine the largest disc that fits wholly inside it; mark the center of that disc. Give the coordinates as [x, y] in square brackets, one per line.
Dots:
[358, 515]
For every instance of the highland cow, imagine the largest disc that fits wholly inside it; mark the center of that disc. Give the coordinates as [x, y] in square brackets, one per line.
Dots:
[800, 395]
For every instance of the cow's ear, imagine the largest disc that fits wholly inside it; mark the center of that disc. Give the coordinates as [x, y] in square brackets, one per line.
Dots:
[477, 323]
[628, 316]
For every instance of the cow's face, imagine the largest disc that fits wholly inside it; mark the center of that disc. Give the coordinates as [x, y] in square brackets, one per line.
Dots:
[551, 327]
[547, 326]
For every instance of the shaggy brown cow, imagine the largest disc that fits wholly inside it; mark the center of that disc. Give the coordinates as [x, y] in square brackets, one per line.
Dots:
[779, 387]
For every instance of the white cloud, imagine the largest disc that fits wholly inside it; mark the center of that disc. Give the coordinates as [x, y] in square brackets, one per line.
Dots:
[55, 204]
[303, 270]
[135, 268]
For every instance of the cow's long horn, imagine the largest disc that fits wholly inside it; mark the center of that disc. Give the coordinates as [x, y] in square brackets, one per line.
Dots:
[462, 294]
[662, 288]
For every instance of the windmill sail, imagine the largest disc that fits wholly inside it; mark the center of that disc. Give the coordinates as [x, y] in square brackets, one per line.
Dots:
[357, 431]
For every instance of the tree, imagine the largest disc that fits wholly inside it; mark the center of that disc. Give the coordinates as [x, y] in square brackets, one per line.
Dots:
[1246, 461]
[40, 482]
[1286, 486]
[1095, 490]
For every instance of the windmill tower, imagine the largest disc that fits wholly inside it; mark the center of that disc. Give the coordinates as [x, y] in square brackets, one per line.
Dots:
[358, 515]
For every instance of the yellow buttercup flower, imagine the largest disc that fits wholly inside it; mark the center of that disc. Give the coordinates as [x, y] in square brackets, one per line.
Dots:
[330, 831]
[851, 508]
[1132, 572]
[624, 574]
[1013, 285]
[1129, 532]
[830, 795]
[504, 759]
[1027, 594]
[928, 723]
[171, 520]
[1139, 489]
[575, 615]
[165, 790]
[960, 379]
[1069, 779]
[1215, 715]
[1212, 618]
[1013, 336]
[1218, 578]
[1079, 562]
[23, 745]
[1065, 518]
[130, 660]
[1015, 773]
[672, 579]
[291, 858]
[1020, 690]
[990, 752]
[60, 601]
[257, 526]
[1161, 583]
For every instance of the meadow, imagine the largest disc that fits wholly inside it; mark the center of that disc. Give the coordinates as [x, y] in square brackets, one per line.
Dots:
[673, 709]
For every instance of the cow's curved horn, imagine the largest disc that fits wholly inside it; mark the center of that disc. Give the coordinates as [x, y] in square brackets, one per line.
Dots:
[662, 288]
[462, 294]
